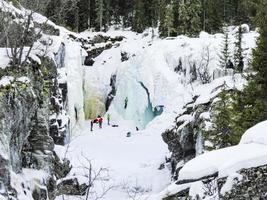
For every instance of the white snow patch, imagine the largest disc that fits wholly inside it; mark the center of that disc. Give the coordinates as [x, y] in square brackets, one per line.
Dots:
[256, 134]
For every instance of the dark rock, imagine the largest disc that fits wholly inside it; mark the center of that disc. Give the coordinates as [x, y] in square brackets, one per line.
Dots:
[89, 61]
[71, 187]
[124, 56]
[112, 93]
[93, 53]
[39, 194]
[47, 29]
[252, 185]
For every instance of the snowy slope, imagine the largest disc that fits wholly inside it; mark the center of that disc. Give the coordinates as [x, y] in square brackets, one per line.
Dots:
[131, 161]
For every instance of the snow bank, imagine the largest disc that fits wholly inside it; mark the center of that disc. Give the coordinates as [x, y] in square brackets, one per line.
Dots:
[251, 152]
[256, 134]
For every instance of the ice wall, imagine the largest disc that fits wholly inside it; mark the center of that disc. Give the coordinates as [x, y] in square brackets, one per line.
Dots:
[74, 73]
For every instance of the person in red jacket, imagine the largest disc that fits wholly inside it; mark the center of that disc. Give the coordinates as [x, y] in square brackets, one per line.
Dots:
[100, 121]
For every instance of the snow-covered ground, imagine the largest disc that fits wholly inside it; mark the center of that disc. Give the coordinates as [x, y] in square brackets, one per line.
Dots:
[132, 162]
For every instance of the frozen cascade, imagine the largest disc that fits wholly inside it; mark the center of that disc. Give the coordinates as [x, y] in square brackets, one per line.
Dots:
[199, 144]
[74, 71]
[150, 113]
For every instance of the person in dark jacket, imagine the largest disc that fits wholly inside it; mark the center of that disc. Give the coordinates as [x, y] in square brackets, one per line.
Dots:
[125, 102]
[92, 124]
[108, 117]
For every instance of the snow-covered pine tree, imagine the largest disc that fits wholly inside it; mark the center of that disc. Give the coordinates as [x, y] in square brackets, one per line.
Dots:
[238, 52]
[225, 54]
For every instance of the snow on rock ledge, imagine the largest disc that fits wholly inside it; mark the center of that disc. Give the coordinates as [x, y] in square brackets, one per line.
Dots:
[224, 161]
[232, 170]
[251, 152]
[256, 134]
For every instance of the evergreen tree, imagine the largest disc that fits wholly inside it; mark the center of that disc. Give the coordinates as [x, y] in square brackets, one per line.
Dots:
[99, 14]
[84, 15]
[139, 16]
[212, 16]
[221, 134]
[162, 12]
[190, 17]
[169, 19]
[238, 54]
[225, 54]
[69, 15]
[52, 10]
[250, 105]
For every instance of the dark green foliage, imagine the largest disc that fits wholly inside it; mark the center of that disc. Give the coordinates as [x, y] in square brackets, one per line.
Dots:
[221, 134]
[187, 17]
[190, 18]
[52, 10]
[250, 105]
[225, 54]
[238, 57]
[138, 17]
[212, 16]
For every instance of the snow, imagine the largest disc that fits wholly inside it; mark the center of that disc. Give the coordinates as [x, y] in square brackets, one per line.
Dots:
[4, 59]
[6, 80]
[227, 161]
[256, 134]
[26, 182]
[131, 161]
[23, 79]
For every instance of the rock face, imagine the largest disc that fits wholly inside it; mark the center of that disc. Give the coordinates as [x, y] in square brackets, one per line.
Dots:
[26, 104]
[250, 184]
[185, 139]
[113, 91]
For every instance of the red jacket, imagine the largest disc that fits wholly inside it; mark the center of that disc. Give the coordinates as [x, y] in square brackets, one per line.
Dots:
[100, 120]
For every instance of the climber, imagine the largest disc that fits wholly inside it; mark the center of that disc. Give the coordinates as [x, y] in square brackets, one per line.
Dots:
[100, 121]
[108, 117]
[92, 124]
[125, 102]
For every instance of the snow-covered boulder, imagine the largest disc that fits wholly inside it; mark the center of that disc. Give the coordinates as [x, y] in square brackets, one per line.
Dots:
[229, 171]
[256, 134]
